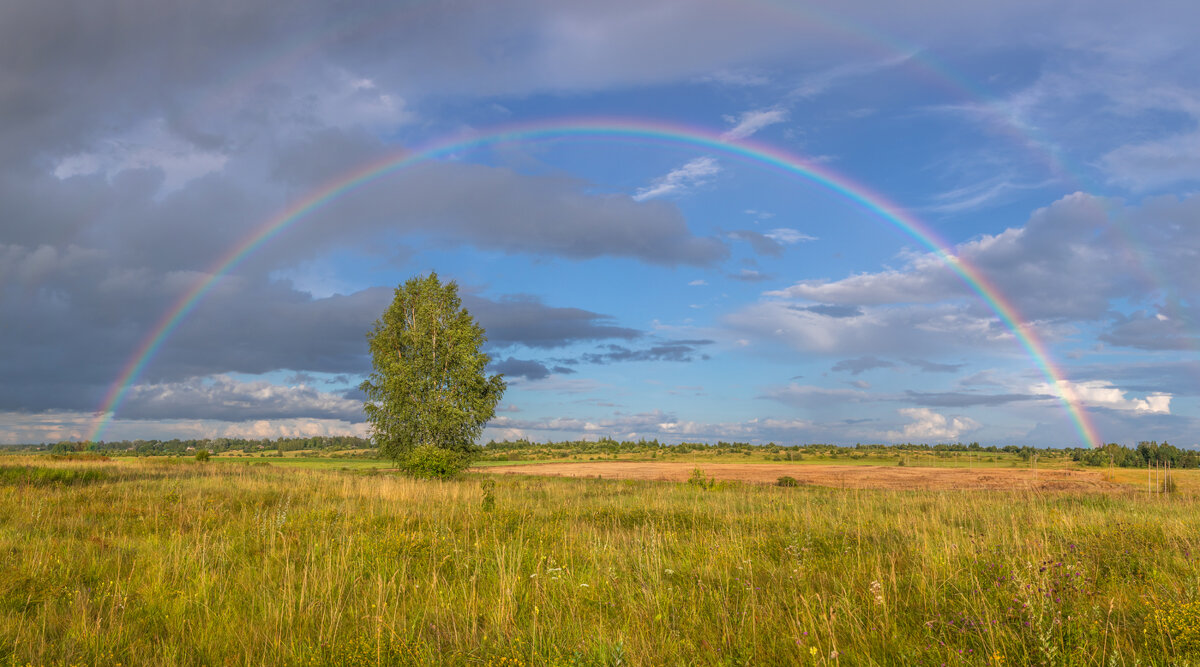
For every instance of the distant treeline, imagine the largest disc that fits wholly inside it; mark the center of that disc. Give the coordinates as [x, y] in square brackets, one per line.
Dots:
[1146, 452]
[176, 447]
[1110, 455]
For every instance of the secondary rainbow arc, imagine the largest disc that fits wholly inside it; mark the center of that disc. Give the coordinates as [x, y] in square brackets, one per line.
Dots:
[636, 129]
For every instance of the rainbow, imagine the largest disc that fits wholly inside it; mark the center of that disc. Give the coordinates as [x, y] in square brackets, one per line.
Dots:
[361, 24]
[603, 128]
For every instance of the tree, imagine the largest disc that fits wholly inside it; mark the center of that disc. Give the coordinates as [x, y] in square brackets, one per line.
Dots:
[429, 395]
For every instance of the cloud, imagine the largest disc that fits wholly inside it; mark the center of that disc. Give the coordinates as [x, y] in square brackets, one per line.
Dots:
[526, 368]
[72, 321]
[923, 330]
[1154, 164]
[670, 350]
[831, 311]
[1171, 376]
[862, 364]
[818, 83]
[665, 426]
[813, 397]
[48, 427]
[1046, 273]
[750, 276]
[750, 122]
[227, 399]
[962, 399]
[1104, 394]
[788, 236]
[933, 367]
[761, 243]
[929, 426]
[693, 174]
[978, 195]
[522, 319]
[1146, 330]
[731, 77]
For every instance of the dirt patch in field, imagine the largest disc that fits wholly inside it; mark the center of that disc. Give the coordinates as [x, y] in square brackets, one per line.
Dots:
[836, 476]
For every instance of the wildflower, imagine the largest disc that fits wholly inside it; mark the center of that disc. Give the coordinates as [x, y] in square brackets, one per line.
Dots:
[812, 650]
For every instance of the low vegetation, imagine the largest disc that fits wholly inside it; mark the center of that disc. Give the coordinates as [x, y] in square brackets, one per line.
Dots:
[170, 561]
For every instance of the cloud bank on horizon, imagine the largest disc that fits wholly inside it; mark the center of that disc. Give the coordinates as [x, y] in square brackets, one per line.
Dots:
[630, 287]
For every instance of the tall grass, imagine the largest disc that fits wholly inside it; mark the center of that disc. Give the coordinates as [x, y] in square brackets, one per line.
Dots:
[196, 564]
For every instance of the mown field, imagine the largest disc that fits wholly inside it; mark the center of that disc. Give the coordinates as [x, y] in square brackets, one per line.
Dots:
[151, 563]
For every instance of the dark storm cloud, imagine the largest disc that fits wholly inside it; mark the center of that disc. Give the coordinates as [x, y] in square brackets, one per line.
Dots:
[525, 320]
[862, 364]
[69, 323]
[526, 368]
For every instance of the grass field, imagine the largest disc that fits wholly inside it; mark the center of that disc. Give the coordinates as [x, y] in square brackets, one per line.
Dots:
[150, 563]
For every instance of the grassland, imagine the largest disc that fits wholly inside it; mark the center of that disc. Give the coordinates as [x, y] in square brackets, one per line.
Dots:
[150, 563]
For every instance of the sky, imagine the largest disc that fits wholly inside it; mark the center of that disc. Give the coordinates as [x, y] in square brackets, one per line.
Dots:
[757, 221]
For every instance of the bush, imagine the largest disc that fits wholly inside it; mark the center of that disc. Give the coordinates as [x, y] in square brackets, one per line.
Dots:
[699, 480]
[436, 462]
[787, 480]
[202, 455]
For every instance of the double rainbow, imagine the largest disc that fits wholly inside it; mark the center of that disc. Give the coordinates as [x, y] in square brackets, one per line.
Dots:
[617, 129]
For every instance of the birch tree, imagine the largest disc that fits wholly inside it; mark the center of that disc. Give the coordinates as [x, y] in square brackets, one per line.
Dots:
[429, 387]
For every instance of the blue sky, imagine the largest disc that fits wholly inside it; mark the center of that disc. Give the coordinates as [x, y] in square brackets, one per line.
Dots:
[630, 287]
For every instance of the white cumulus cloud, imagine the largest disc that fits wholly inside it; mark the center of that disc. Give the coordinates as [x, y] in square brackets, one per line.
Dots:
[928, 425]
[1104, 394]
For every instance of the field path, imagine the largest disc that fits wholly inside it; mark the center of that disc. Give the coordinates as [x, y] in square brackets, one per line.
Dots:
[836, 476]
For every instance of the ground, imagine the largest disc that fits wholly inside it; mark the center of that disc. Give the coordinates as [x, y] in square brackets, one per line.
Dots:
[836, 476]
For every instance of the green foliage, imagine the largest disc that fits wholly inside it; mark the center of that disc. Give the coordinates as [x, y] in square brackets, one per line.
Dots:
[202, 455]
[434, 462]
[699, 481]
[489, 494]
[787, 480]
[41, 476]
[429, 386]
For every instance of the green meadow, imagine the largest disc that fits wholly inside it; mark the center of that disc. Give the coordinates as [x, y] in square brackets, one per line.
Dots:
[171, 562]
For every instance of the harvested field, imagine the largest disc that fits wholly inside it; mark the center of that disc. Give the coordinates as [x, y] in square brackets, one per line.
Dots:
[836, 476]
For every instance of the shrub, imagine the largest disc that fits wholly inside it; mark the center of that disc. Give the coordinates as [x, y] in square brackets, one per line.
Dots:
[202, 455]
[436, 462]
[700, 481]
[787, 480]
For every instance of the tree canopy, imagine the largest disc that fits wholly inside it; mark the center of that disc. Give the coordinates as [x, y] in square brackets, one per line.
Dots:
[429, 387]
